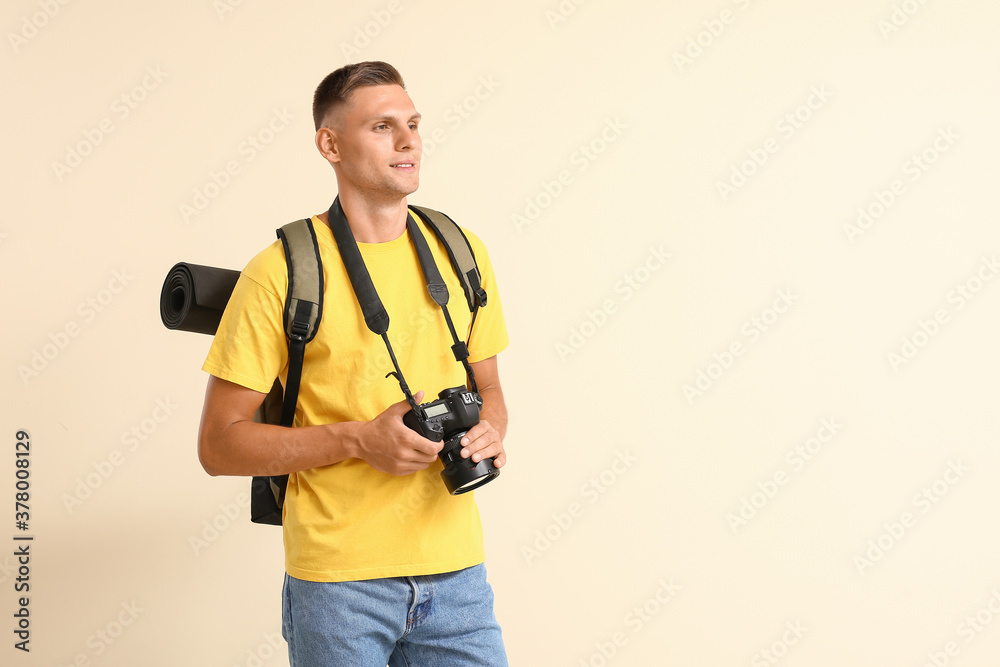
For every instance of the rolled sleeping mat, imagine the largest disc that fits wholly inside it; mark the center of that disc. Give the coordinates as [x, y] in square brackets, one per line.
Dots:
[194, 297]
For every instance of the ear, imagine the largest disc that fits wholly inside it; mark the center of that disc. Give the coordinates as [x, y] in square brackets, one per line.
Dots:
[326, 142]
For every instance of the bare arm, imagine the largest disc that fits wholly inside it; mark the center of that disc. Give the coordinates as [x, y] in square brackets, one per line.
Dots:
[485, 439]
[231, 443]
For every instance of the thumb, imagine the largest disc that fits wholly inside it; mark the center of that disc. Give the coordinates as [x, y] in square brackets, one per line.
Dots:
[404, 405]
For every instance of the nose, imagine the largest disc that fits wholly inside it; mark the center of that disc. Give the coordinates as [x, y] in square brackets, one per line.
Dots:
[409, 139]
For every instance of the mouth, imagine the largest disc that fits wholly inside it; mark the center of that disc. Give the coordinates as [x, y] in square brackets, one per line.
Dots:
[405, 166]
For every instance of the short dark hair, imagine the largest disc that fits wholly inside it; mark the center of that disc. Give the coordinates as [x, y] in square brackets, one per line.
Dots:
[337, 87]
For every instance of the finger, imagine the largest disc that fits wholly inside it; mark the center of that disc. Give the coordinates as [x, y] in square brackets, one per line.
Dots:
[486, 446]
[403, 406]
[475, 433]
[426, 450]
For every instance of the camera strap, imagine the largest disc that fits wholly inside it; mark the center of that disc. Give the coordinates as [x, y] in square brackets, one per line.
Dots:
[376, 317]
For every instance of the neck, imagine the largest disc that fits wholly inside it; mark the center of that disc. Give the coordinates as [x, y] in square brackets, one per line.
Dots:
[372, 221]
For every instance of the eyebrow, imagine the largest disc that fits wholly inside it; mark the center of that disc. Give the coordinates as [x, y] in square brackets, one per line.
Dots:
[386, 117]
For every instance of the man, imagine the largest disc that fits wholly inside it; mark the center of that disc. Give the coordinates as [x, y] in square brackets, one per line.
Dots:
[383, 564]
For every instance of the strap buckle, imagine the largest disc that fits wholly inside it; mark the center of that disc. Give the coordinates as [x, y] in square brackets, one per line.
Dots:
[299, 328]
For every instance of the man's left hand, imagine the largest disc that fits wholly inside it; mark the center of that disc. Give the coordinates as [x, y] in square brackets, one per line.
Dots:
[483, 442]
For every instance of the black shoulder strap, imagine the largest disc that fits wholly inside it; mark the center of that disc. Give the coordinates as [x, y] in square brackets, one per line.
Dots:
[303, 303]
[459, 252]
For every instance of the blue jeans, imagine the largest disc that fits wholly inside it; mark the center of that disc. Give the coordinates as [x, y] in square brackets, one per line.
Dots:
[439, 620]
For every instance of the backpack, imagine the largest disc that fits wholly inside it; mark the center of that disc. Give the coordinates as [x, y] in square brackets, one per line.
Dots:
[302, 315]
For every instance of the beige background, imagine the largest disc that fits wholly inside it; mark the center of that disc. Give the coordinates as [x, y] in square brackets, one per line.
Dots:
[84, 251]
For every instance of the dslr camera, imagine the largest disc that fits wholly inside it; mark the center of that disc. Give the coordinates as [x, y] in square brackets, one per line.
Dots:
[449, 418]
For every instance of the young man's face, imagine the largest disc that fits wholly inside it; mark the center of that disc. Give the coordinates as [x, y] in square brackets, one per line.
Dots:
[378, 146]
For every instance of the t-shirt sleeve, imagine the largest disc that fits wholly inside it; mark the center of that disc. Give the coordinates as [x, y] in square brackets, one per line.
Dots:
[489, 332]
[249, 347]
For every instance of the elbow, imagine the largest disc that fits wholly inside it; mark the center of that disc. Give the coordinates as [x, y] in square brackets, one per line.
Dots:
[208, 464]
[211, 470]
[207, 456]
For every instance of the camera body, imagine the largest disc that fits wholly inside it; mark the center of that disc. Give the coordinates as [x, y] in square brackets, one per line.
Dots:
[449, 418]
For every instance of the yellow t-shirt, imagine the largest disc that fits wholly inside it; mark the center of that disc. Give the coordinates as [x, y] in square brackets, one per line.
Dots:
[347, 521]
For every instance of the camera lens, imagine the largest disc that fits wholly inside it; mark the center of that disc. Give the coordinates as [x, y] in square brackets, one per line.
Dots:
[463, 475]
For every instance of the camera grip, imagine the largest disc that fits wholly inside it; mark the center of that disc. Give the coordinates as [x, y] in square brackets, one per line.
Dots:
[430, 430]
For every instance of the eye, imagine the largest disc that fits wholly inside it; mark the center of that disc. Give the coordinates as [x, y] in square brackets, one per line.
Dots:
[381, 126]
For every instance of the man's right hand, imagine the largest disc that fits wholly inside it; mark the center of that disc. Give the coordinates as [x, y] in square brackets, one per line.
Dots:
[231, 443]
[388, 445]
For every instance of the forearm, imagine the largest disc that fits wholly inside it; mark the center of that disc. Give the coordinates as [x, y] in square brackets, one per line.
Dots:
[494, 409]
[251, 449]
